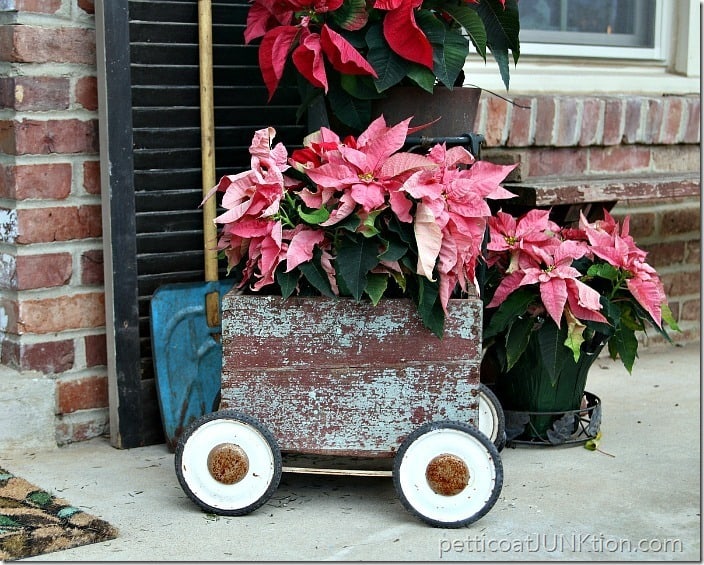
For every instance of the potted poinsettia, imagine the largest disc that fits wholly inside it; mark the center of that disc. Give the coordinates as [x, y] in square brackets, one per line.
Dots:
[359, 217]
[554, 298]
[354, 51]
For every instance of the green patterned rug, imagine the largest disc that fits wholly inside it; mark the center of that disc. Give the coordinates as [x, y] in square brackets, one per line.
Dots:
[34, 522]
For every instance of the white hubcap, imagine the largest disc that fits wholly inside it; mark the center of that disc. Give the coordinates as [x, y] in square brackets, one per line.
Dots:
[246, 475]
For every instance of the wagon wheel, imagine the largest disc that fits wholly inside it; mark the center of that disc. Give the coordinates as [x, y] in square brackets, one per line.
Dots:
[448, 474]
[492, 421]
[228, 463]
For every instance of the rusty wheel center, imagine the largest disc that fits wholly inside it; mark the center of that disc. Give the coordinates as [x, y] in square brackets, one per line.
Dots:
[447, 474]
[228, 463]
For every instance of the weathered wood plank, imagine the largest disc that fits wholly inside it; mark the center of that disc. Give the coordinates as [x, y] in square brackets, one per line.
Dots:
[347, 378]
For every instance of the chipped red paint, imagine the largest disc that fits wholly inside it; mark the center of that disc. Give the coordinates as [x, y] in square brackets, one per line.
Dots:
[335, 376]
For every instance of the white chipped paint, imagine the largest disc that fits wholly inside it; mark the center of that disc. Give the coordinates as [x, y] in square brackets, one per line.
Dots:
[8, 226]
[4, 319]
[8, 271]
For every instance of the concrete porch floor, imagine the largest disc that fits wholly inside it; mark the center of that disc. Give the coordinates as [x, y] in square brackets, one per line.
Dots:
[639, 499]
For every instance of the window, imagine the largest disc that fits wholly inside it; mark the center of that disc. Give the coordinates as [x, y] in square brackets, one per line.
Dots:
[614, 46]
[626, 29]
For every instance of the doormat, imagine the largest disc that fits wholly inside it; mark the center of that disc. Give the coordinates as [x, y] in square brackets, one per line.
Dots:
[34, 522]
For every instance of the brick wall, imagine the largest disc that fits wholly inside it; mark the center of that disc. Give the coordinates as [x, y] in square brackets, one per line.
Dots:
[612, 137]
[52, 304]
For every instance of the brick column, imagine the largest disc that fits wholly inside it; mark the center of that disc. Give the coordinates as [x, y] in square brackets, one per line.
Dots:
[52, 304]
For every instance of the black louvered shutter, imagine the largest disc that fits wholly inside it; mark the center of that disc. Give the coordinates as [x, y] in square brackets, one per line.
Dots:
[166, 141]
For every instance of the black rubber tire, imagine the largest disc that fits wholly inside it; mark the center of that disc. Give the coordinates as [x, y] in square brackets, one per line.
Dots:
[500, 420]
[492, 455]
[249, 421]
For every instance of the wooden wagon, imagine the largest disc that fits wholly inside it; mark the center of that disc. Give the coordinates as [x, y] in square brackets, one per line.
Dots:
[336, 377]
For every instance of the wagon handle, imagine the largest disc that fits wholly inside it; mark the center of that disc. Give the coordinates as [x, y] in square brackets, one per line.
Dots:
[207, 140]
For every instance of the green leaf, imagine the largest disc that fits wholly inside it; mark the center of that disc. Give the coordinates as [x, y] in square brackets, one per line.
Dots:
[501, 58]
[389, 67]
[369, 228]
[351, 111]
[471, 22]
[356, 256]
[625, 344]
[360, 86]
[316, 217]
[376, 286]
[668, 318]
[394, 250]
[351, 223]
[517, 339]
[429, 307]
[604, 270]
[422, 76]
[350, 13]
[510, 309]
[502, 27]
[315, 274]
[552, 350]
[575, 334]
[450, 48]
[287, 281]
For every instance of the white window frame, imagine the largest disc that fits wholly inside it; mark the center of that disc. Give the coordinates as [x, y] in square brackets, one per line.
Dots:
[671, 66]
[659, 50]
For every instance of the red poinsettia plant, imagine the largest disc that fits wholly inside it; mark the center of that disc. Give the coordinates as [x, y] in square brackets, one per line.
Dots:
[353, 51]
[359, 217]
[587, 285]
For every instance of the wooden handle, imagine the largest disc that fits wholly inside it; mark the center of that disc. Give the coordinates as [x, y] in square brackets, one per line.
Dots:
[207, 135]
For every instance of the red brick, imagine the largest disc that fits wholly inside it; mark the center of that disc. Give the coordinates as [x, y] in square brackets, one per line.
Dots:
[642, 225]
[92, 267]
[674, 109]
[33, 44]
[21, 182]
[49, 315]
[544, 120]
[44, 137]
[87, 92]
[43, 271]
[619, 159]
[496, 118]
[680, 221]
[691, 311]
[96, 350]
[631, 128]
[519, 134]
[91, 177]
[665, 254]
[549, 162]
[88, 6]
[613, 127]
[34, 93]
[567, 133]
[681, 284]
[38, 6]
[591, 117]
[82, 394]
[694, 251]
[50, 358]
[9, 353]
[43, 225]
[692, 133]
[653, 121]
[676, 158]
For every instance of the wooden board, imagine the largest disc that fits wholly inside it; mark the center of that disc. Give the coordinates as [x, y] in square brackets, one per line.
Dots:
[335, 376]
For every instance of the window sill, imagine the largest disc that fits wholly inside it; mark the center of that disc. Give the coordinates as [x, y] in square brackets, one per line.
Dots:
[580, 78]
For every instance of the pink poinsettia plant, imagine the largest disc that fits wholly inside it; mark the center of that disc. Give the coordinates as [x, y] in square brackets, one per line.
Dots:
[359, 217]
[586, 286]
[353, 51]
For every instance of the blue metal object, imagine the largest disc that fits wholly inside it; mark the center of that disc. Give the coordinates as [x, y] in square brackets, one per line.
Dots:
[187, 354]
